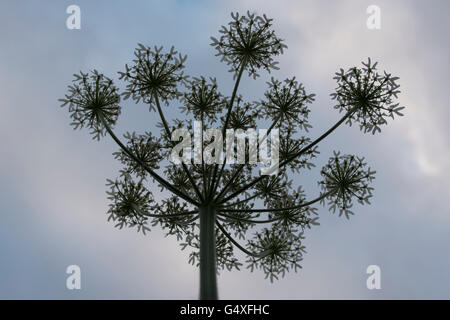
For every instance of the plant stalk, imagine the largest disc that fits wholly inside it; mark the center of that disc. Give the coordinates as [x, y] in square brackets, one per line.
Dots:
[208, 268]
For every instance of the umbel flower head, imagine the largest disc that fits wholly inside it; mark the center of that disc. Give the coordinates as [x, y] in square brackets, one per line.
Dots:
[91, 98]
[155, 75]
[294, 218]
[289, 146]
[130, 201]
[371, 95]
[273, 188]
[144, 147]
[249, 42]
[280, 250]
[287, 103]
[170, 219]
[203, 99]
[346, 178]
[243, 116]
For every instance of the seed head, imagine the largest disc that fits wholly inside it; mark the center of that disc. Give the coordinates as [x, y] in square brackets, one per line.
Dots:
[369, 93]
[346, 178]
[92, 97]
[248, 40]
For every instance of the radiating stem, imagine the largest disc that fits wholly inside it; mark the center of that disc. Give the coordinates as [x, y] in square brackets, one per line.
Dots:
[215, 182]
[185, 168]
[157, 177]
[291, 158]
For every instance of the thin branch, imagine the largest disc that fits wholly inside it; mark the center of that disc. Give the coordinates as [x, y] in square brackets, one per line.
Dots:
[188, 221]
[181, 214]
[225, 189]
[305, 204]
[205, 187]
[293, 157]
[216, 184]
[270, 129]
[230, 107]
[256, 255]
[156, 176]
[185, 168]
[246, 220]
[229, 183]
[243, 200]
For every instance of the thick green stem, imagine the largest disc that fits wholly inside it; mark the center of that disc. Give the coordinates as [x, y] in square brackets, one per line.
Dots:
[208, 268]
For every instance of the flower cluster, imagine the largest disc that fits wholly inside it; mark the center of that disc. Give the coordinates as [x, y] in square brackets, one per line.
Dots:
[225, 253]
[178, 177]
[242, 116]
[345, 178]
[203, 99]
[368, 95]
[171, 220]
[248, 43]
[280, 252]
[286, 103]
[272, 187]
[290, 146]
[93, 100]
[296, 217]
[145, 147]
[238, 221]
[154, 76]
[130, 202]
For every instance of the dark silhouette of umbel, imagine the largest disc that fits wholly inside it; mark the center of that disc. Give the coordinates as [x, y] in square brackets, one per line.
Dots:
[213, 208]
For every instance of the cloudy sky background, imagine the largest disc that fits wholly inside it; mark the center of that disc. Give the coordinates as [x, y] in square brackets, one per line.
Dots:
[52, 193]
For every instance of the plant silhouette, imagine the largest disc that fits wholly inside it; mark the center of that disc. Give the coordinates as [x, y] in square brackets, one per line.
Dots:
[218, 209]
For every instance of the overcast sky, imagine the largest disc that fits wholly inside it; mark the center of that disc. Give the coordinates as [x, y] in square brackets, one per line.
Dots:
[52, 179]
